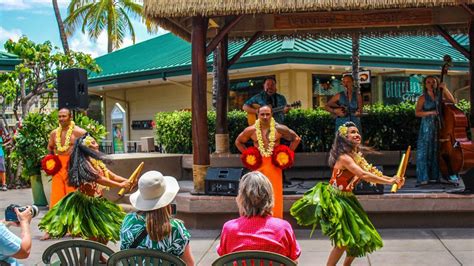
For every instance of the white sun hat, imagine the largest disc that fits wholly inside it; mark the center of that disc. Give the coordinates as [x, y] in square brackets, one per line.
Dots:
[154, 191]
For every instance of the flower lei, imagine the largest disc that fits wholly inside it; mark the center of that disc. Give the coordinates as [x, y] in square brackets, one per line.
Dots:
[360, 160]
[99, 165]
[271, 138]
[65, 147]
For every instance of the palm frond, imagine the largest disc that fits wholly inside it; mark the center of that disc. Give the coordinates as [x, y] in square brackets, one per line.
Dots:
[129, 25]
[75, 18]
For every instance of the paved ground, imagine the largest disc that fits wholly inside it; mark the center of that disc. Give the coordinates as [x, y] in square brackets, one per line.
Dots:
[451, 246]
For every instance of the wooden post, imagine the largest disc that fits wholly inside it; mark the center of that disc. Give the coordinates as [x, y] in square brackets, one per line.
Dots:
[201, 159]
[222, 131]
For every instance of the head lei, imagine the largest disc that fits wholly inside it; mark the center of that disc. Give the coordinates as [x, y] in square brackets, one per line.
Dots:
[342, 131]
[87, 141]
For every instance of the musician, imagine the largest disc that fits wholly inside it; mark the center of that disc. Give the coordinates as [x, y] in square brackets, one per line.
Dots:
[346, 105]
[427, 168]
[268, 96]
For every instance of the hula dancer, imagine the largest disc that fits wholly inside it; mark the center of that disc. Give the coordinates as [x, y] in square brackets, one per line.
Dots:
[335, 208]
[269, 157]
[85, 212]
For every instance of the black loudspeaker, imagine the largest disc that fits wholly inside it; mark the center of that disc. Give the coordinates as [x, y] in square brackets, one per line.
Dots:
[223, 181]
[72, 89]
[365, 188]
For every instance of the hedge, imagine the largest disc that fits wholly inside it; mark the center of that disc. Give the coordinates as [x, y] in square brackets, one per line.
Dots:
[385, 127]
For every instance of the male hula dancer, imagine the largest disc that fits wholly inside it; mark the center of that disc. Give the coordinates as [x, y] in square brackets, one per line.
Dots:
[266, 135]
[61, 141]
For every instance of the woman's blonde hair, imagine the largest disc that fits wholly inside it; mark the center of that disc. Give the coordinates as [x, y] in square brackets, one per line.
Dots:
[255, 196]
[158, 223]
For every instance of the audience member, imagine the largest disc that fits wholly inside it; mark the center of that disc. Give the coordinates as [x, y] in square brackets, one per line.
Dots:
[257, 229]
[153, 226]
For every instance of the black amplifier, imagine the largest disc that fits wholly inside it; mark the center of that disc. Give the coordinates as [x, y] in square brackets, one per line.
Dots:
[223, 181]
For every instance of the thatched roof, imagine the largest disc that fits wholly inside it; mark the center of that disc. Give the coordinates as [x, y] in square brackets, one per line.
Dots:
[189, 8]
[269, 16]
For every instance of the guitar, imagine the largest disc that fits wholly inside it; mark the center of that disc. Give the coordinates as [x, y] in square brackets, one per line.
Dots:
[251, 118]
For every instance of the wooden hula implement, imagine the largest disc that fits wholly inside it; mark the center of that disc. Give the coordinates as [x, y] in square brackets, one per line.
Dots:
[133, 179]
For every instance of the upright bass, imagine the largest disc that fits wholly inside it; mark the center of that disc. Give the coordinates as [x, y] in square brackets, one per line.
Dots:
[456, 150]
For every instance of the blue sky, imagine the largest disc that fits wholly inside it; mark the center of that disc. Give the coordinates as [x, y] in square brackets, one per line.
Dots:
[35, 19]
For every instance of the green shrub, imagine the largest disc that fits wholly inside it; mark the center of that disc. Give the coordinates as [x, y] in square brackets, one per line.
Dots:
[384, 127]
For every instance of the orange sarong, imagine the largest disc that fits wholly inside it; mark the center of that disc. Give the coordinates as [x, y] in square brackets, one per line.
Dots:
[274, 174]
[59, 183]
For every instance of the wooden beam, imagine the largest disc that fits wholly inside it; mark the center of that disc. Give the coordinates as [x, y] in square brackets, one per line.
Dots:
[201, 158]
[468, 9]
[183, 31]
[222, 87]
[452, 41]
[243, 49]
[223, 32]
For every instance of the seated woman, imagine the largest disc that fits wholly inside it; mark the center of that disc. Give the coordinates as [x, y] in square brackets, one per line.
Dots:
[256, 229]
[334, 207]
[85, 212]
[153, 226]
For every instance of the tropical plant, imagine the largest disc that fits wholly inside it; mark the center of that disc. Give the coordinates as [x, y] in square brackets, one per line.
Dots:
[31, 142]
[35, 77]
[113, 16]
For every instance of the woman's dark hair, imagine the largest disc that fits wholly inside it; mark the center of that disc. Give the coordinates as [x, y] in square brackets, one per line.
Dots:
[80, 170]
[341, 146]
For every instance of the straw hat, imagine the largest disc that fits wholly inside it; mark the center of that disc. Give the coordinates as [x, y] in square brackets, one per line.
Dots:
[154, 191]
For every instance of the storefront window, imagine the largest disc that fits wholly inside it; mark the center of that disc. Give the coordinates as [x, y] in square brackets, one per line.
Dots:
[401, 89]
[243, 89]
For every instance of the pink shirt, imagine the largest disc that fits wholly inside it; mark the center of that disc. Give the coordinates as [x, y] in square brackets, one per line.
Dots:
[259, 233]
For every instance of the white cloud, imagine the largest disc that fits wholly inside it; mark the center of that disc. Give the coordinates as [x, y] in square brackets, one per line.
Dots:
[5, 35]
[81, 42]
[29, 4]
[20, 18]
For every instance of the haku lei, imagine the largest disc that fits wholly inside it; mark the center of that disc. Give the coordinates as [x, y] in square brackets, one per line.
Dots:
[271, 138]
[65, 147]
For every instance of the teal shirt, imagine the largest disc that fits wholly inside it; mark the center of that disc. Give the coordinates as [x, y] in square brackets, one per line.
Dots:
[175, 243]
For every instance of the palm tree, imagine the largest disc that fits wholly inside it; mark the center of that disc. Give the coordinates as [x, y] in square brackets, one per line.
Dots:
[62, 33]
[95, 16]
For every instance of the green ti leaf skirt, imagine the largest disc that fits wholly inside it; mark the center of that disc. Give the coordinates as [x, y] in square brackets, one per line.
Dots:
[341, 218]
[85, 216]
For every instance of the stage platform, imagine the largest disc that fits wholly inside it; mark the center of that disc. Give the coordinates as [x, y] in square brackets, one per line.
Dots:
[427, 206]
[412, 207]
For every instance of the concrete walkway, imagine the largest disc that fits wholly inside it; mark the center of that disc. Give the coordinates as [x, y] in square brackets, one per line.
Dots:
[451, 246]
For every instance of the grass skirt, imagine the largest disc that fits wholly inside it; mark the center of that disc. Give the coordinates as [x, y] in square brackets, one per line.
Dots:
[341, 218]
[85, 216]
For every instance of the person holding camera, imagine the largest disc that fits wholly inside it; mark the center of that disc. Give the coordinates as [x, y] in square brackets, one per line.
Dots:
[13, 247]
[85, 212]
[153, 226]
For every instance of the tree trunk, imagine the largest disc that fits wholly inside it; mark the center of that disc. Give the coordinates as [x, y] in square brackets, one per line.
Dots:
[62, 33]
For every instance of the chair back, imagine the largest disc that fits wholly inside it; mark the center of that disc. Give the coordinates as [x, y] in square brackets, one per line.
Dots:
[144, 257]
[253, 257]
[78, 252]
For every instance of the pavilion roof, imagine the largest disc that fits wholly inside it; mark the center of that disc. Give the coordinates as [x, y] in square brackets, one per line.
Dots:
[312, 18]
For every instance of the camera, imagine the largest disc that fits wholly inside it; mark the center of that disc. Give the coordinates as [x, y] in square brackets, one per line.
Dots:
[10, 214]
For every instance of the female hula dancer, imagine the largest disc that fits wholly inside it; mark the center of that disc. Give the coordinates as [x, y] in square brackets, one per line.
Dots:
[85, 212]
[335, 208]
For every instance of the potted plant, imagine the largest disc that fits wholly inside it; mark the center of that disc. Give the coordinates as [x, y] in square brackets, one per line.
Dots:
[30, 147]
